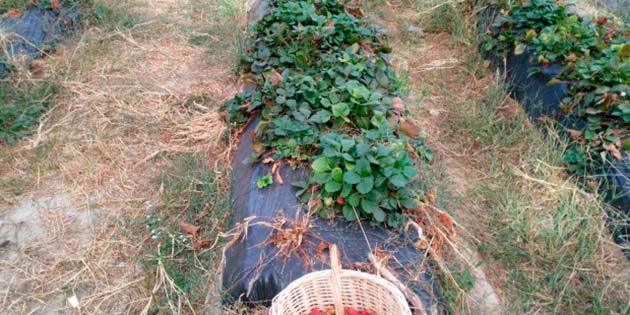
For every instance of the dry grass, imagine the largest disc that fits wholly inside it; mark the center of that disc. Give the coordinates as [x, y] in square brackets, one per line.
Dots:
[132, 99]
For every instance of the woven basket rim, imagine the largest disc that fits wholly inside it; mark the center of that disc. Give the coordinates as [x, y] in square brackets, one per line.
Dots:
[345, 273]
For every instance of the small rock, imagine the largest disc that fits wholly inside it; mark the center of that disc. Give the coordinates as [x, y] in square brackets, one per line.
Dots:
[414, 29]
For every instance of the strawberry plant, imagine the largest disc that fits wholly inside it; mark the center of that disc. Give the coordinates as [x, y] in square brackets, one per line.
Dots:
[518, 24]
[595, 58]
[362, 178]
[264, 181]
[324, 96]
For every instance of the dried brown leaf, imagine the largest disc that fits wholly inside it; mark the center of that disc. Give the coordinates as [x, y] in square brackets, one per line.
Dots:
[55, 4]
[279, 178]
[409, 129]
[189, 228]
[323, 245]
[14, 13]
[612, 148]
[201, 244]
[276, 77]
[378, 252]
[574, 133]
[447, 221]
[432, 196]
[421, 244]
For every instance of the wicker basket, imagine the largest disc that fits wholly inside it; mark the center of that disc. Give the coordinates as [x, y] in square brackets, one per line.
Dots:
[339, 288]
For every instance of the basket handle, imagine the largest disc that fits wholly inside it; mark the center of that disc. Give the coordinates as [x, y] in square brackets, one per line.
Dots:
[335, 266]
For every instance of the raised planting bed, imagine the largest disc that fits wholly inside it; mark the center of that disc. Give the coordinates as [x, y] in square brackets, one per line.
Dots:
[575, 70]
[28, 34]
[325, 155]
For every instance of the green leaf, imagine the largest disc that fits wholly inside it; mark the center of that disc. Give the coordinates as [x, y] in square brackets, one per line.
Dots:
[408, 203]
[379, 215]
[332, 187]
[299, 184]
[337, 174]
[264, 181]
[365, 185]
[362, 149]
[398, 181]
[395, 220]
[347, 144]
[363, 167]
[325, 102]
[409, 172]
[341, 110]
[349, 213]
[320, 117]
[368, 206]
[322, 177]
[354, 199]
[346, 190]
[351, 177]
[320, 165]
[379, 180]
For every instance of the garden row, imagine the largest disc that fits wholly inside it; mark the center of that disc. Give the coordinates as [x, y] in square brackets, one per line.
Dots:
[27, 35]
[576, 70]
[30, 30]
[323, 131]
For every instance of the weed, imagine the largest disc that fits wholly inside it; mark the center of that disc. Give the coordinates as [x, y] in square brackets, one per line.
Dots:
[179, 265]
[442, 19]
[21, 105]
[548, 237]
[451, 293]
[221, 35]
[13, 185]
[111, 17]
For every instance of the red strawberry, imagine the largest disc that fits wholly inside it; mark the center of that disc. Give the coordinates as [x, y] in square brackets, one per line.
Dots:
[315, 311]
[340, 200]
[351, 311]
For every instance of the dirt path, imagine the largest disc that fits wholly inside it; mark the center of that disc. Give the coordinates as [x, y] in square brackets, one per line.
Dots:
[458, 176]
[131, 97]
